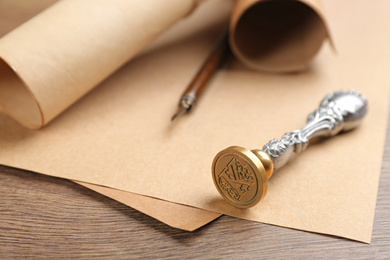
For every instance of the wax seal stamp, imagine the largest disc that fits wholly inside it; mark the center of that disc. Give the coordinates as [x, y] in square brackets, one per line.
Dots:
[241, 176]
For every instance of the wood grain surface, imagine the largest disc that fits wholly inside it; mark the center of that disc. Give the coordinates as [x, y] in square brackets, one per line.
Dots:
[46, 217]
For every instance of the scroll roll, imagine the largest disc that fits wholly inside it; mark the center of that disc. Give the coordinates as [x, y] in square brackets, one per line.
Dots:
[277, 35]
[55, 58]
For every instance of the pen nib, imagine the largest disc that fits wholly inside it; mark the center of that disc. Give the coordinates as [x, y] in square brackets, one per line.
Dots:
[185, 105]
[180, 111]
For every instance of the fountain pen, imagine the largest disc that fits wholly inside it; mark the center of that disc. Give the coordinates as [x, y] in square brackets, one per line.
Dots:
[194, 90]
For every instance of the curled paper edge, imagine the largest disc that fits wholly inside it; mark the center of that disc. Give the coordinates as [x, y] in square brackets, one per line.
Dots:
[58, 56]
[283, 52]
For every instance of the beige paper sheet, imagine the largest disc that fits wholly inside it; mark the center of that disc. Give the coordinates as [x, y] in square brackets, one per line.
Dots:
[326, 189]
[176, 215]
[172, 214]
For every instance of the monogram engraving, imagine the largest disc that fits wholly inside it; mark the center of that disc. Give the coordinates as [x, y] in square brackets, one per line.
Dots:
[236, 179]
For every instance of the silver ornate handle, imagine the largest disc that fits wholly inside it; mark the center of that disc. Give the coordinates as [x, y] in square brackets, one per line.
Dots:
[338, 111]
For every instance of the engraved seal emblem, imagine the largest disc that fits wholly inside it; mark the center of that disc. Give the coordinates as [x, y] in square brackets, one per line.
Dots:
[239, 176]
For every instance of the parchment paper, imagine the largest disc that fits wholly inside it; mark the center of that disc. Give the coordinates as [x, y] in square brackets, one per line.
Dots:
[172, 214]
[326, 189]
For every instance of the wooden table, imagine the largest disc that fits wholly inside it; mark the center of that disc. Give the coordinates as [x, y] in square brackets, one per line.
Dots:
[42, 217]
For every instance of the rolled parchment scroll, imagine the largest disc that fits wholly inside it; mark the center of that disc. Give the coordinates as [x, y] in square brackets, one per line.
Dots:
[277, 35]
[55, 58]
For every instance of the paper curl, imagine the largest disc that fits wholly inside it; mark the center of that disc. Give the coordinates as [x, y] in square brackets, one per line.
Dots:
[277, 36]
[55, 58]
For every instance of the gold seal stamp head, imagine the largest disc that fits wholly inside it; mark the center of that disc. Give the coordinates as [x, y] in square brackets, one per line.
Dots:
[241, 176]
